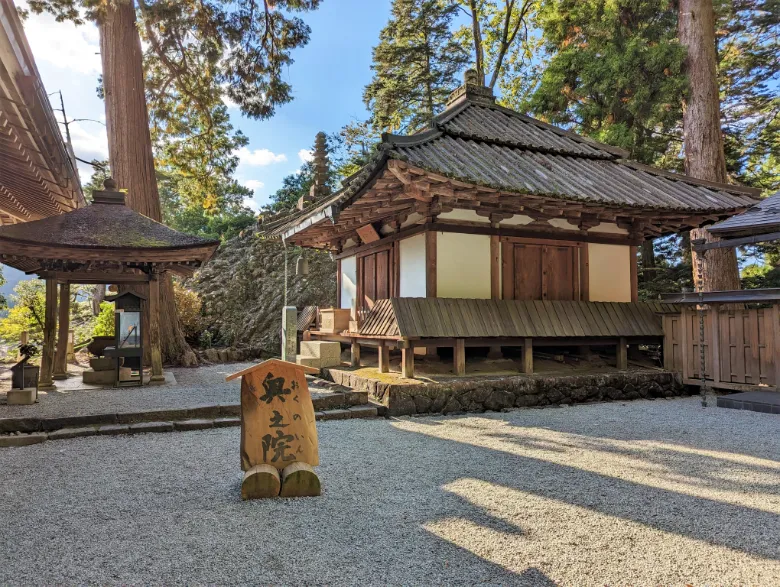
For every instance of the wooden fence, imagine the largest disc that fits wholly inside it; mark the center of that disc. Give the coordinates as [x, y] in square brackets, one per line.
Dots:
[743, 354]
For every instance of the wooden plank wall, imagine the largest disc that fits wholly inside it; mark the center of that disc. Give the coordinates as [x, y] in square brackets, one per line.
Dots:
[741, 347]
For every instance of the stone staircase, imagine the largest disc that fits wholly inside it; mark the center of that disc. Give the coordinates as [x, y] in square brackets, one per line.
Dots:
[319, 354]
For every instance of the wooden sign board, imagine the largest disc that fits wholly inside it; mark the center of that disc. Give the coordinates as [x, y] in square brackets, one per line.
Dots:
[277, 416]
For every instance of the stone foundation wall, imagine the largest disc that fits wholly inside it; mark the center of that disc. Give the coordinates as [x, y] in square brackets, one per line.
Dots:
[498, 393]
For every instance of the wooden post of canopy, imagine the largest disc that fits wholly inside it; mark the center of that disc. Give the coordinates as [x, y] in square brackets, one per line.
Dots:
[355, 353]
[622, 354]
[49, 335]
[528, 355]
[154, 329]
[407, 362]
[61, 356]
[384, 358]
[460, 357]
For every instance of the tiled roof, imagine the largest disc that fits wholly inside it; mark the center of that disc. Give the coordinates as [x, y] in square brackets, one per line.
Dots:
[488, 145]
[763, 217]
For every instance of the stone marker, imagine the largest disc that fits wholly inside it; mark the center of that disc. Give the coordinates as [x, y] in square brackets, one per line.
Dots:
[289, 333]
[278, 431]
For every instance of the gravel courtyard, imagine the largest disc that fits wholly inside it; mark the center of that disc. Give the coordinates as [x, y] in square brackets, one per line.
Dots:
[639, 493]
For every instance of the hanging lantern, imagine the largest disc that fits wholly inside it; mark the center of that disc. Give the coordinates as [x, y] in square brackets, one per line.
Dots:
[302, 266]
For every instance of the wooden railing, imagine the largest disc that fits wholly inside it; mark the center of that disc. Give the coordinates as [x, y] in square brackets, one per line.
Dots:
[741, 347]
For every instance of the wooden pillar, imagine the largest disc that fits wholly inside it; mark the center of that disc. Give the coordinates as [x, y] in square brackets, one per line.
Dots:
[622, 354]
[384, 358]
[459, 356]
[49, 335]
[24, 338]
[528, 355]
[495, 283]
[430, 264]
[61, 356]
[407, 363]
[355, 357]
[71, 346]
[154, 329]
[634, 272]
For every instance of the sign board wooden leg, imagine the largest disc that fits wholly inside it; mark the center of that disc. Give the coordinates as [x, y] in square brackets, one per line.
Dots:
[260, 481]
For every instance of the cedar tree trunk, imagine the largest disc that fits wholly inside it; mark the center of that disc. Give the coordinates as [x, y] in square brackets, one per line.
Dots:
[703, 140]
[130, 151]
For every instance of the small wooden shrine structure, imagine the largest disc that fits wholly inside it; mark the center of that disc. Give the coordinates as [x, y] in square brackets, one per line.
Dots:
[489, 205]
[104, 243]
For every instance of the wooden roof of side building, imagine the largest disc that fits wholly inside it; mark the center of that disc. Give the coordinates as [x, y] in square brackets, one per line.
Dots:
[38, 176]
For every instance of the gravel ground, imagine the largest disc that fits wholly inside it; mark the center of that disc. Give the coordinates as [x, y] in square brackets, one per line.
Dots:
[640, 493]
[194, 387]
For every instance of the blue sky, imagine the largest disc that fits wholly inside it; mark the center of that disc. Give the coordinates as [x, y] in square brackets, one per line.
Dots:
[328, 78]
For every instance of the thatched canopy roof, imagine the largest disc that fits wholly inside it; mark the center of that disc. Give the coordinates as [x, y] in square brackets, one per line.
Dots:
[480, 156]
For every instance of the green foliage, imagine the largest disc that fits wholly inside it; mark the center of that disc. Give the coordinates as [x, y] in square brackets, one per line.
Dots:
[499, 35]
[27, 311]
[105, 323]
[613, 72]
[415, 65]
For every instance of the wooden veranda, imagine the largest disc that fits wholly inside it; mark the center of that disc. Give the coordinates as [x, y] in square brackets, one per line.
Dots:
[409, 323]
[104, 243]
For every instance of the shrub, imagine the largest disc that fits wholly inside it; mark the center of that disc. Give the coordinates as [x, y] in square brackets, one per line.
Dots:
[188, 305]
[104, 325]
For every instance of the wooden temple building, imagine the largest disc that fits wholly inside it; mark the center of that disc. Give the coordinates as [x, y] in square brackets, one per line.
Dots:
[490, 228]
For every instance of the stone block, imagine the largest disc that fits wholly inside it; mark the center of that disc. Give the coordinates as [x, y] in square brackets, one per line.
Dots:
[363, 412]
[99, 377]
[193, 424]
[329, 350]
[142, 427]
[102, 363]
[227, 422]
[67, 433]
[22, 397]
[308, 361]
[335, 415]
[113, 429]
[22, 439]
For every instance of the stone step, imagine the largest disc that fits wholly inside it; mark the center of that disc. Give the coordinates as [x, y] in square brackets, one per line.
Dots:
[25, 439]
[323, 399]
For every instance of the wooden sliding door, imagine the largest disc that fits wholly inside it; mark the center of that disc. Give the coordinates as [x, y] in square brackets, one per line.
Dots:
[543, 270]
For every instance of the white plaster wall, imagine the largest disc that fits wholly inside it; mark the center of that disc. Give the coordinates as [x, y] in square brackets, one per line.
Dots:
[348, 281]
[609, 273]
[460, 214]
[462, 265]
[609, 228]
[562, 223]
[412, 270]
[517, 220]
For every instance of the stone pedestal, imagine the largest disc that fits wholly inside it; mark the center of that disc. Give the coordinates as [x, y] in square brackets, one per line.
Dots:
[22, 397]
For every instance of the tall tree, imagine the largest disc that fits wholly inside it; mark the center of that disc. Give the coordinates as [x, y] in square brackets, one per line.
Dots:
[703, 140]
[415, 65]
[498, 32]
[207, 49]
[614, 73]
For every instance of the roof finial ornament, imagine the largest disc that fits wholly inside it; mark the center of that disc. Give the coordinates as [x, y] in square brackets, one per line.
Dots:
[472, 90]
[109, 194]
